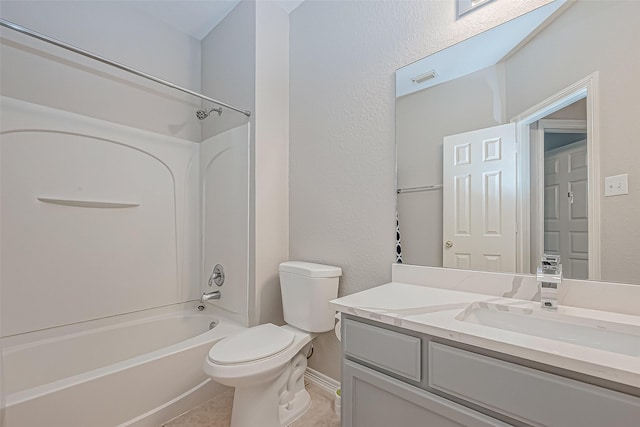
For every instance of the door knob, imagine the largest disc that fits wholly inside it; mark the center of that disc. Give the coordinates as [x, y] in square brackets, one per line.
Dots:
[448, 244]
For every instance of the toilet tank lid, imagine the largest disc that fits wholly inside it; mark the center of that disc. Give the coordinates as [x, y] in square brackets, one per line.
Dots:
[310, 269]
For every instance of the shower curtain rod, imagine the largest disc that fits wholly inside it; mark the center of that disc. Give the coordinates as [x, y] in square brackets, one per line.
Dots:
[416, 189]
[104, 60]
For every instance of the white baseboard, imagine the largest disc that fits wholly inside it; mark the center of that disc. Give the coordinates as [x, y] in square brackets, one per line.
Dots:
[322, 381]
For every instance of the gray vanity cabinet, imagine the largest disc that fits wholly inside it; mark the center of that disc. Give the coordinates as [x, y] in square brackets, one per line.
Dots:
[396, 377]
[372, 399]
[380, 371]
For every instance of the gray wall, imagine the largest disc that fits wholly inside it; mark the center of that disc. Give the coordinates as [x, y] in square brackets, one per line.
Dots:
[43, 74]
[229, 68]
[271, 158]
[245, 62]
[343, 55]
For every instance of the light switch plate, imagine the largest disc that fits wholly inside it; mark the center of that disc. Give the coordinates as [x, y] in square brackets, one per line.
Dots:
[616, 185]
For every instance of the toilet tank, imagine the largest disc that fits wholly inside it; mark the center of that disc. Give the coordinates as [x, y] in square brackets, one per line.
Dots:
[307, 289]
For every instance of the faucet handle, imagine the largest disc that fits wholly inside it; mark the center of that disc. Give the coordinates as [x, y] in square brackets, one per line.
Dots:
[217, 276]
[551, 263]
[549, 275]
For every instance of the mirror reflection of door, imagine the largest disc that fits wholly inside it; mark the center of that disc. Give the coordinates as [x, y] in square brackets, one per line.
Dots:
[565, 202]
[561, 223]
[479, 195]
[479, 199]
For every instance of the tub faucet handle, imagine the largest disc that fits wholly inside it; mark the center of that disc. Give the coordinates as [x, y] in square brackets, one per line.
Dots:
[217, 276]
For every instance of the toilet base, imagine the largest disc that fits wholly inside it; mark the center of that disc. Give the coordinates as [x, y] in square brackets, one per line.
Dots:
[295, 409]
[278, 402]
[265, 412]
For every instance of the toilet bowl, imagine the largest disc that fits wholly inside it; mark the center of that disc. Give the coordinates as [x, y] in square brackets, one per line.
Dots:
[268, 377]
[266, 363]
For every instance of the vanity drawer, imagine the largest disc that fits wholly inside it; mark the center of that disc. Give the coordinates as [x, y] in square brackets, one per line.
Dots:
[394, 352]
[525, 394]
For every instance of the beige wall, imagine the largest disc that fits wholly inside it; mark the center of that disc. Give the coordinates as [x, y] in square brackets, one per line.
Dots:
[342, 151]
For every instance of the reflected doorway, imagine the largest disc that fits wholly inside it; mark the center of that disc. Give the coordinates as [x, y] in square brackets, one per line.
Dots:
[531, 128]
[560, 225]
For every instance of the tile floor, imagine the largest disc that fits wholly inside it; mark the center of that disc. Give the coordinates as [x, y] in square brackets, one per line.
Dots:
[216, 412]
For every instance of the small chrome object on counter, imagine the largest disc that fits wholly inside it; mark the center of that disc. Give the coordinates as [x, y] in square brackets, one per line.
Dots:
[549, 275]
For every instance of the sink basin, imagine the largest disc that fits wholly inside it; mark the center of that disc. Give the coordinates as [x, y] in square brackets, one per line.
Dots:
[609, 336]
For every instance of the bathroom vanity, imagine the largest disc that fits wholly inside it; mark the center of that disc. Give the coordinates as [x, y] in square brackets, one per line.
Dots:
[417, 355]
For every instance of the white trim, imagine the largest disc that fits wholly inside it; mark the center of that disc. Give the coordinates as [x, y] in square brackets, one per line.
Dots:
[322, 381]
[585, 88]
[563, 126]
[523, 189]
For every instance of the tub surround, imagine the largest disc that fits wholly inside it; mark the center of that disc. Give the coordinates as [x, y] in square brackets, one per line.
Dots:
[433, 301]
[89, 251]
[124, 256]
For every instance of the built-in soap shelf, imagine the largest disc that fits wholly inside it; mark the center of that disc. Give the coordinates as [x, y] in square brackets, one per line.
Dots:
[87, 203]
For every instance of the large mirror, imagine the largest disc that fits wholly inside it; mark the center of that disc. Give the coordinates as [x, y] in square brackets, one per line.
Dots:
[559, 106]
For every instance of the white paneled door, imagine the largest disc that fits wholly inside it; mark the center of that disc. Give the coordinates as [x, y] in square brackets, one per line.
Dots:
[479, 199]
[565, 208]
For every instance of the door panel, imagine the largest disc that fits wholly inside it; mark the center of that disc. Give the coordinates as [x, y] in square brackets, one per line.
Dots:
[566, 208]
[479, 200]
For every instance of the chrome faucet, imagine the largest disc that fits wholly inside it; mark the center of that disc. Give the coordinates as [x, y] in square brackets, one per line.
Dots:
[549, 276]
[206, 296]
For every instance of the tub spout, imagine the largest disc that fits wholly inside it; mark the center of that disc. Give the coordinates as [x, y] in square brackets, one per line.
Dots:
[210, 295]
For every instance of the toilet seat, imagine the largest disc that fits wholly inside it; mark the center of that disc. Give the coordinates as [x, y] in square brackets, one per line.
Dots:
[254, 344]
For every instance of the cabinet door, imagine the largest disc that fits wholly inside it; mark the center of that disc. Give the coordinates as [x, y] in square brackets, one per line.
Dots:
[372, 399]
[529, 395]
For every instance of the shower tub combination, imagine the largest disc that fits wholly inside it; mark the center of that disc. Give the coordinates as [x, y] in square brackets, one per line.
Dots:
[108, 339]
[137, 369]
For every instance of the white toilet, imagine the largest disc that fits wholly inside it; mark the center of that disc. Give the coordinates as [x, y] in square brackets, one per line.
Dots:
[266, 363]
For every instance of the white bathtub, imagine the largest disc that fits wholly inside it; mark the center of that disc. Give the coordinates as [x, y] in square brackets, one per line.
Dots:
[137, 369]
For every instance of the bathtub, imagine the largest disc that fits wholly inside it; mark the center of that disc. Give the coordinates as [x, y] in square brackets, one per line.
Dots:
[139, 369]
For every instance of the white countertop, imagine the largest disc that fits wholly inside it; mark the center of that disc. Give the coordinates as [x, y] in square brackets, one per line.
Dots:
[433, 311]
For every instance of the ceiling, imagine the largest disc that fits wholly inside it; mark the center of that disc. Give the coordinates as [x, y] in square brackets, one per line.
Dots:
[196, 17]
